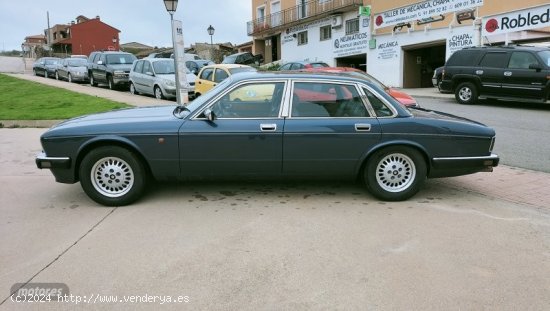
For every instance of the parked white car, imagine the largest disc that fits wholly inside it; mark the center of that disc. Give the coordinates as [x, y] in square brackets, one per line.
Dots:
[156, 76]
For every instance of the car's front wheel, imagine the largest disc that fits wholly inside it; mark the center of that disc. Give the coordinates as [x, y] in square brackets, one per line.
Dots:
[112, 176]
[395, 173]
[92, 80]
[110, 82]
[158, 93]
[466, 93]
[56, 75]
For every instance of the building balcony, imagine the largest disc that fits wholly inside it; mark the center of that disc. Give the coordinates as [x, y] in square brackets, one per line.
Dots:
[310, 11]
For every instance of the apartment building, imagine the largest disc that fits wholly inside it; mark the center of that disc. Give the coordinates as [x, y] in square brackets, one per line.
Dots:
[398, 41]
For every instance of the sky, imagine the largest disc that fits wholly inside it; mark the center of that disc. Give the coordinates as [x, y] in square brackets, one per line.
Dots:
[143, 21]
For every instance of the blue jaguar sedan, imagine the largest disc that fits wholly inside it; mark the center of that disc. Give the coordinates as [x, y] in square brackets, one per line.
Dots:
[268, 126]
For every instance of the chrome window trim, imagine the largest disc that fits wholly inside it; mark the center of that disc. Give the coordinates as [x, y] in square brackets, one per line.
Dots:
[381, 98]
[212, 101]
[317, 81]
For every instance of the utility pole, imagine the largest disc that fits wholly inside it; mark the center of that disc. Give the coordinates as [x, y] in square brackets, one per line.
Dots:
[49, 35]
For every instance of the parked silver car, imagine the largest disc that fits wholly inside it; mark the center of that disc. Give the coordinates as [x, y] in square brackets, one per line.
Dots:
[156, 76]
[72, 70]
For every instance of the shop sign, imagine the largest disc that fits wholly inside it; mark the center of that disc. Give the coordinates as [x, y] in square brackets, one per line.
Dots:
[459, 39]
[351, 44]
[531, 18]
[422, 10]
[290, 33]
[388, 50]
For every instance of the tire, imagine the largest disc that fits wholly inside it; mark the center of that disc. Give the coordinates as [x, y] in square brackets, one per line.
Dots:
[466, 93]
[34, 72]
[133, 89]
[69, 78]
[158, 93]
[92, 80]
[56, 75]
[395, 173]
[110, 83]
[101, 173]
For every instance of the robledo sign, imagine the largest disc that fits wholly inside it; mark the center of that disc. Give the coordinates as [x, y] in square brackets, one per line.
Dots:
[531, 18]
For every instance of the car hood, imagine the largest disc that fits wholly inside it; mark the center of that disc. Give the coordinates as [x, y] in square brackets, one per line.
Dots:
[172, 77]
[130, 120]
[125, 67]
[402, 97]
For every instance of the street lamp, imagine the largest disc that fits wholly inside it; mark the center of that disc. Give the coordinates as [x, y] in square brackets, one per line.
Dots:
[211, 30]
[171, 6]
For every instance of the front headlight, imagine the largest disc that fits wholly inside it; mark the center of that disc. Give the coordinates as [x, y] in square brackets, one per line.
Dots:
[169, 83]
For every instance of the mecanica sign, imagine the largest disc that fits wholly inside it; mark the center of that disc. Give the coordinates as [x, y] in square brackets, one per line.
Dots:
[530, 18]
[422, 10]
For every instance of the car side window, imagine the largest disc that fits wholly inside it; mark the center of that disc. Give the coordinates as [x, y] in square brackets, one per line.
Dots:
[327, 100]
[380, 109]
[285, 67]
[206, 74]
[296, 66]
[521, 60]
[494, 60]
[254, 100]
[220, 75]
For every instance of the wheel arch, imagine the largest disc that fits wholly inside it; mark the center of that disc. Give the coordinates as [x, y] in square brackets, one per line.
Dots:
[403, 143]
[110, 141]
[458, 79]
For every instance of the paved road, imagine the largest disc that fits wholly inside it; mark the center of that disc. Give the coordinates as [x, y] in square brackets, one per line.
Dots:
[470, 243]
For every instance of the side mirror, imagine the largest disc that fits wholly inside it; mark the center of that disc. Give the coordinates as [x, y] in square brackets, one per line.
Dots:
[535, 66]
[99, 62]
[209, 114]
[149, 73]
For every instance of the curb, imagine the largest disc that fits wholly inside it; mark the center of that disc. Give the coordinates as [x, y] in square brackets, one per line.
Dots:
[28, 123]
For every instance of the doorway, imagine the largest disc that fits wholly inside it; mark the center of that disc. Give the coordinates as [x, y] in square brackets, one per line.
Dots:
[420, 61]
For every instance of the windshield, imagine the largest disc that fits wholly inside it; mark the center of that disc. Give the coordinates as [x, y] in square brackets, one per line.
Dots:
[117, 59]
[229, 59]
[318, 65]
[164, 67]
[545, 55]
[51, 61]
[241, 69]
[77, 62]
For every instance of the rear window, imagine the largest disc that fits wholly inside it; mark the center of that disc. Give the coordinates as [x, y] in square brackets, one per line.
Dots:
[464, 58]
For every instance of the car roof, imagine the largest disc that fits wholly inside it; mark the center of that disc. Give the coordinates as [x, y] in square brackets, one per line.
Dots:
[227, 66]
[296, 74]
[509, 47]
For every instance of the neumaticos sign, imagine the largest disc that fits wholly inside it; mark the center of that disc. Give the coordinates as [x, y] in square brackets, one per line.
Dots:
[531, 18]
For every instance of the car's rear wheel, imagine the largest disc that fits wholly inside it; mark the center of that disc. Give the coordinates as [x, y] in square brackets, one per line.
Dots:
[395, 173]
[69, 78]
[466, 93]
[133, 89]
[112, 176]
[158, 93]
[56, 75]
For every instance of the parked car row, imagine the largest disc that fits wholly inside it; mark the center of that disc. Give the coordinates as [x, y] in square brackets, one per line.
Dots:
[155, 74]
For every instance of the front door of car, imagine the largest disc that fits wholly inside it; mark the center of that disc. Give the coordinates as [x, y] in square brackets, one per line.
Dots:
[491, 72]
[243, 137]
[147, 78]
[328, 132]
[205, 81]
[101, 69]
[522, 81]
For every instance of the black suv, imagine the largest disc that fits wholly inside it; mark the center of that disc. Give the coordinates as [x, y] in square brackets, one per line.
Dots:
[518, 73]
[111, 68]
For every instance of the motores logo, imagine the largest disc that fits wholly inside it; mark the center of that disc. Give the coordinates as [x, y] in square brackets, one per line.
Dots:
[533, 18]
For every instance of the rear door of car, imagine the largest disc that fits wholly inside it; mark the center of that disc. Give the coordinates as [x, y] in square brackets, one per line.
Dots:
[148, 77]
[136, 75]
[245, 139]
[491, 72]
[328, 131]
[520, 81]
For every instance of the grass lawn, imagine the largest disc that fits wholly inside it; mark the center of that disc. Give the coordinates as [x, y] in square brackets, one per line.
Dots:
[26, 100]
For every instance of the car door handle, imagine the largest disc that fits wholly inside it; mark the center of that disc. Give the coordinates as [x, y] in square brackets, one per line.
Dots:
[268, 127]
[362, 127]
[508, 73]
